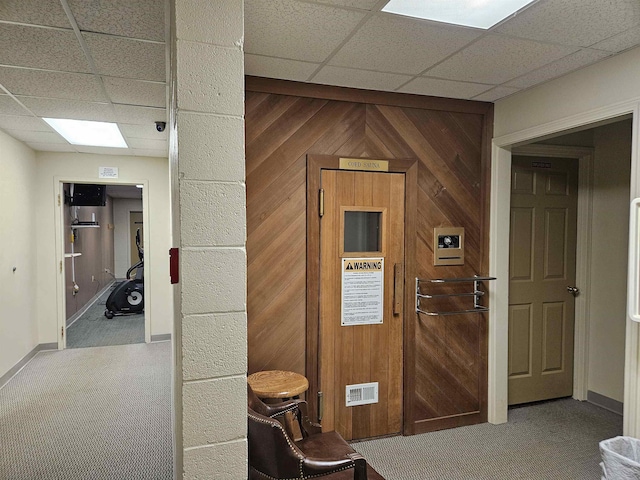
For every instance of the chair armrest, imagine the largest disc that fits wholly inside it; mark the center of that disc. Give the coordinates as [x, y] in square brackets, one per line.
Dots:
[274, 409]
[360, 466]
[316, 466]
[308, 427]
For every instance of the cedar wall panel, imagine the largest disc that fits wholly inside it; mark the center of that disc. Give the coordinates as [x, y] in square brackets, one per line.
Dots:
[450, 352]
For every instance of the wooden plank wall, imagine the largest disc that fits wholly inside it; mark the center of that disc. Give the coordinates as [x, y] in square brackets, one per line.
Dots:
[286, 121]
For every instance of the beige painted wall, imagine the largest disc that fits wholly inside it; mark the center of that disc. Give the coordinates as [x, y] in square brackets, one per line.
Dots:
[55, 167]
[609, 243]
[18, 321]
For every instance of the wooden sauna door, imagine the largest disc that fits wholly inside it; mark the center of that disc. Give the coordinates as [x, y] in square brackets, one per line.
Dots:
[361, 302]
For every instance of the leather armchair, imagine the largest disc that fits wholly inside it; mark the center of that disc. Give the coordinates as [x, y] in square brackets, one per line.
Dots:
[273, 454]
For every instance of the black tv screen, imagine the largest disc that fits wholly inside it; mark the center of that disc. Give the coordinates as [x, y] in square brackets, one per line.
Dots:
[89, 195]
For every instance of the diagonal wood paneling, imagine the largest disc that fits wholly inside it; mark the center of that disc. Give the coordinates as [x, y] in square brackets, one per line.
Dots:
[450, 352]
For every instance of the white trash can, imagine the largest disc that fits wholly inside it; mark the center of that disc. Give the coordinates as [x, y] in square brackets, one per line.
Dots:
[620, 458]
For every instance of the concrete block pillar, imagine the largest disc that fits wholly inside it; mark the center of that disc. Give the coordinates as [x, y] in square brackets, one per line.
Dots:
[208, 186]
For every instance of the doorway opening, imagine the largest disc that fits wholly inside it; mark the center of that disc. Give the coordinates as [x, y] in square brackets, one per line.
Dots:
[103, 274]
[603, 154]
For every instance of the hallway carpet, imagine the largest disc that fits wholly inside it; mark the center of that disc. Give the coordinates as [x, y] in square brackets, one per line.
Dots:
[92, 413]
[555, 440]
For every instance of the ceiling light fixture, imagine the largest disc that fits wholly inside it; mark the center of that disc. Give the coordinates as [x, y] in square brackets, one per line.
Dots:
[469, 13]
[93, 134]
[139, 186]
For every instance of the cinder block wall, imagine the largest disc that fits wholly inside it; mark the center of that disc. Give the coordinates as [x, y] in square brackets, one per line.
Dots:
[209, 164]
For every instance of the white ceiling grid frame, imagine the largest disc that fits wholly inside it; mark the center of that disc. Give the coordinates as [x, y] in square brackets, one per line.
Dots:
[42, 61]
[50, 65]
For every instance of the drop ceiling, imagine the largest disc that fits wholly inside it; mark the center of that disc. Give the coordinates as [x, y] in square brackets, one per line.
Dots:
[106, 60]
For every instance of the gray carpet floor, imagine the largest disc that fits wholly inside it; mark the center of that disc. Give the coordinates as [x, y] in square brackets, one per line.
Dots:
[100, 413]
[548, 441]
[93, 329]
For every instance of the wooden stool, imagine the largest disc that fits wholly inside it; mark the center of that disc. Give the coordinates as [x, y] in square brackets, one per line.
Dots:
[282, 385]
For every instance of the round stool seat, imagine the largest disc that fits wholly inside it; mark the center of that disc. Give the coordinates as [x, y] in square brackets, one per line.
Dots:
[277, 384]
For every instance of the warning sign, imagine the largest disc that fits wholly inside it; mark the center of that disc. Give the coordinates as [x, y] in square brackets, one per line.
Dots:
[362, 291]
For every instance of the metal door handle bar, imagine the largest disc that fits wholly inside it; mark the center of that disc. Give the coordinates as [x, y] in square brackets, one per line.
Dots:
[477, 293]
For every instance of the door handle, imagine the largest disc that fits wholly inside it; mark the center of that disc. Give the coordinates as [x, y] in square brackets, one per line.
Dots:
[398, 282]
[575, 291]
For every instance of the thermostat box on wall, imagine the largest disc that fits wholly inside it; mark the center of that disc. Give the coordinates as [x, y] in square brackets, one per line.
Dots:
[448, 246]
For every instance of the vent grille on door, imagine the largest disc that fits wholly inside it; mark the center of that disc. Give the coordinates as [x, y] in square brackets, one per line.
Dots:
[361, 394]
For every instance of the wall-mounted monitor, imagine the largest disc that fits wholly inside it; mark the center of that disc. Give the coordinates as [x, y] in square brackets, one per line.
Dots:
[88, 195]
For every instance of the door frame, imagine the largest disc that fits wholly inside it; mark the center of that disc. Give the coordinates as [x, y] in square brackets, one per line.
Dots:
[409, 167]
[499, 265]
[584, 156]
[60, 239]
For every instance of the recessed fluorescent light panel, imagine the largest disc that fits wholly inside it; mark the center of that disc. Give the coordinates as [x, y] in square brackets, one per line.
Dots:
[93, 134]
[469, 13]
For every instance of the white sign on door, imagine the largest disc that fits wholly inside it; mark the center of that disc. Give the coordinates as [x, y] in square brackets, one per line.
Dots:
[362, 291]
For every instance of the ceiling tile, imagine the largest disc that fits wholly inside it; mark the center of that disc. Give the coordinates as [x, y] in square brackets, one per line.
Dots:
[122, 57]
[278, 67]
[143, 131]
[103, 150]
[40, 83]
[40, 47]
[141, 152]
[127, 18]
[37, 137]
[52, 147]
[36, 12]
[15, 122]
[574, 22]
[296, 30]
[361, 4]
[140, 115]
[495, 59]
[349, 77]
[560, 67]
[134, 92]
[401, 45]
[147, 144]
[8, 106]
[496, 93]
[443, 88]
[72, 109]
[623, 41]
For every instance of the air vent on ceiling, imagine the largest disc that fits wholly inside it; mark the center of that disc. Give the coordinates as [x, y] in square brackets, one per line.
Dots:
[361, 394]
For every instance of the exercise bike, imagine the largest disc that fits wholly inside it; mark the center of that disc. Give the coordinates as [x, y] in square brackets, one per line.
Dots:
[128, 296]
